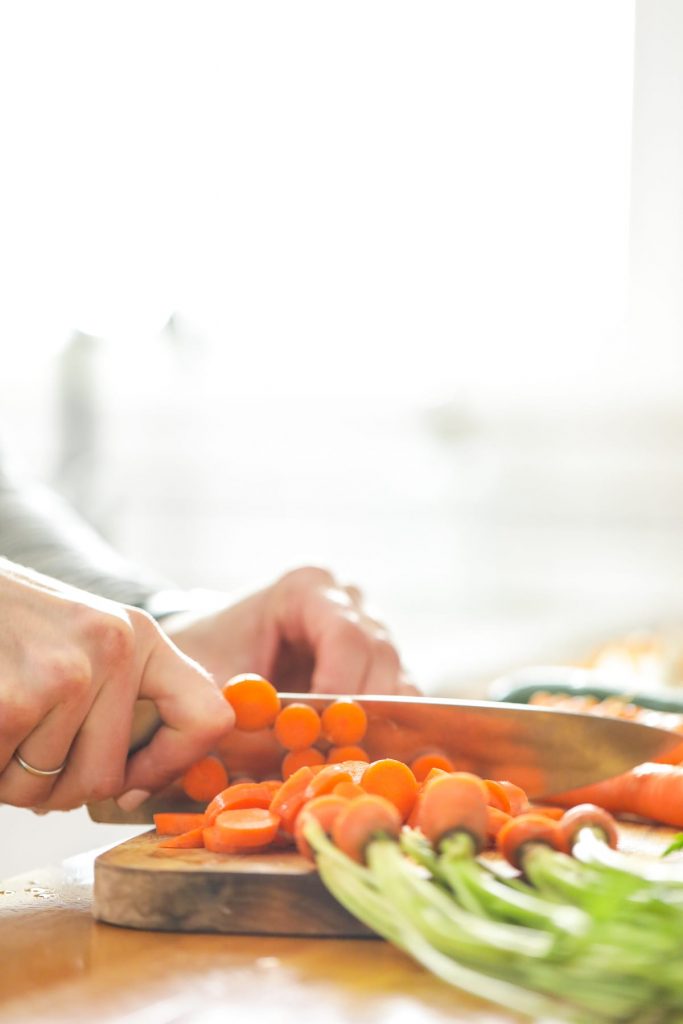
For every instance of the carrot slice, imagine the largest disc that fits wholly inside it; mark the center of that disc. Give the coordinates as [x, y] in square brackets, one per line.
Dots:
[547, 811]
[242, 794]
[297, 726]
[394, 781]
[191, 840]
[244, 829]
[169, 823]
[254, 700]
[351, 752]
[204, 779]
[454, 802]
[348, 790]
[422, 765]
[288, 800]
[524, 829]
[361, 821]
[325, 809]
[331, 774]
[495, 819]
[519, 801]
[344, 722]
[308, 757]
[498, 795]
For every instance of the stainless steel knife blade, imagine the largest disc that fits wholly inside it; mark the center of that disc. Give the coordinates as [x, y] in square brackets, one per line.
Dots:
[543, 750]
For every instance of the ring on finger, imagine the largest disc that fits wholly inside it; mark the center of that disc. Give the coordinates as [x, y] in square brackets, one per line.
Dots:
[40, 772]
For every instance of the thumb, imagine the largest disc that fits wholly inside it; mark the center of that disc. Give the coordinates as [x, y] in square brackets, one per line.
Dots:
[194, 715]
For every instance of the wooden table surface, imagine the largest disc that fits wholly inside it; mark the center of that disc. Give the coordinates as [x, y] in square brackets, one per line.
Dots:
[57, 964]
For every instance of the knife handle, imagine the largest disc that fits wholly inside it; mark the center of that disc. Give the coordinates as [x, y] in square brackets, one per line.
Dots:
[146, 721]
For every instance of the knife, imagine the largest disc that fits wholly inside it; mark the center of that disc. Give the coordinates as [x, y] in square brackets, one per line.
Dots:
[543, 750]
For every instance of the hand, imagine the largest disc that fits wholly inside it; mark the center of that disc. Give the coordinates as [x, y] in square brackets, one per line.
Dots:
[71, 668]
[303, 633]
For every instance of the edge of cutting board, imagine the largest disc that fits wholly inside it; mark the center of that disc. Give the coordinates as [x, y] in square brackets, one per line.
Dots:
[139, 885]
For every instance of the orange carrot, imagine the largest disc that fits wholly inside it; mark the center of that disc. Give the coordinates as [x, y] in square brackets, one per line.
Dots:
[652, 790]
[242, 794]
[394, 781]
[351, 752]
[524, 829]
[362, 820]
[288, 800]
[191, 840]
[421, 766]
[297, 726]
[348, 790]
[519, 801]
[344, 722]
[244, 829]
[498, 795]
[325, 810]
[169, 823]
[204, 779]
[254, 700]
[308, 757]
[495, 819]
[547, 811]
[331, 774]
[588, 816]
[453, 802]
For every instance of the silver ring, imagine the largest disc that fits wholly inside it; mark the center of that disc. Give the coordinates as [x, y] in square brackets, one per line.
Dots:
[37, 771]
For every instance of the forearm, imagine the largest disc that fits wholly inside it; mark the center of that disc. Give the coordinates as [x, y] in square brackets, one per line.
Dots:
[39, 530]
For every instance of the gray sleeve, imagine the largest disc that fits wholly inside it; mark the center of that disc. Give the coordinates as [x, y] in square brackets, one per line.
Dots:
[39, 530]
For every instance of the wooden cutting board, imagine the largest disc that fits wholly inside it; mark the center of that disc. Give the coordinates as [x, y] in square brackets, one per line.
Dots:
[140, 885]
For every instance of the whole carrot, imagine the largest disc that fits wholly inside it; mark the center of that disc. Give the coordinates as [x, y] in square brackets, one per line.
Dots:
[652, 790]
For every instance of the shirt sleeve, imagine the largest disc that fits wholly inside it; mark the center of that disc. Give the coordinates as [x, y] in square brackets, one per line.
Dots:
[38, 529]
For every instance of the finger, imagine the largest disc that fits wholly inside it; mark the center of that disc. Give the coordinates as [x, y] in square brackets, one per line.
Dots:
[384, 669]
[342, 657]
[95, 767]
[355, 594]
[45, 748]
[194, 715]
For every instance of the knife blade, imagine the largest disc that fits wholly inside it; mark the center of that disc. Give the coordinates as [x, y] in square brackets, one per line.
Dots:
[543, 750]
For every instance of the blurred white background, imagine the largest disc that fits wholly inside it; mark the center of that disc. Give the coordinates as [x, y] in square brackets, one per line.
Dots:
[389, 287]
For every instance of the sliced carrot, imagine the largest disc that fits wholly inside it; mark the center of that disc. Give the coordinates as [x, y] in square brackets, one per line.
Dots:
[361, 821]
[588, 816]
[191, 840]
[495, 819]
[348, 790]
[254, 700]
[524, 829]
[498, 795]
[288, 800]
[297, 726]
[204, 779]
[351, 752]
[295, 759]
[433, 773]
[344, 722]
[422, 765]
[169, 823]
[331, 774]
[242, 794]
[245, 828]
[519, 801]
[325, 810]
[547, 811]
[456, 802]
[394, 781]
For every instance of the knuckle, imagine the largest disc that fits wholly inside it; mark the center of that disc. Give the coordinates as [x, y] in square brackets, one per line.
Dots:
[385, 650]
[113, 638]
[19, 714]
[107, 784]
